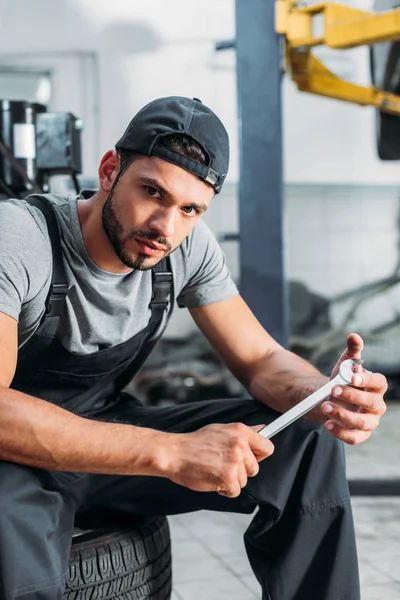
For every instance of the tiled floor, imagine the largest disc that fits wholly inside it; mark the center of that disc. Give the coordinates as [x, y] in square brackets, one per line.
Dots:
[209, 561]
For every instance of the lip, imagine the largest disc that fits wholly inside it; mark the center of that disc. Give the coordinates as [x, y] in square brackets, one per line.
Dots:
[150, 248]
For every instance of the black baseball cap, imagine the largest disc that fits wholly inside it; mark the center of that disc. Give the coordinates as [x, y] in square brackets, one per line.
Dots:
[189, 116]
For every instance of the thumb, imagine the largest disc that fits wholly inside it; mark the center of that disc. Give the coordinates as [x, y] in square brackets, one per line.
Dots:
[355, 345]
[257, 428]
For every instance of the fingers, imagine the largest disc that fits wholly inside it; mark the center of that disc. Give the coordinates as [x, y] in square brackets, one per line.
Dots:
[237, 477]
[259, 445]
[372, 381]
[232, 492]
[369, 397]
[251, 464]
[355, 410]
[248, 452]
[234, 482]
[344, 416]
[349, 436]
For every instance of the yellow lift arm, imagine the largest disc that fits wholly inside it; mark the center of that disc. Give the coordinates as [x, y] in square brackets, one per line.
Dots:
[343, 27]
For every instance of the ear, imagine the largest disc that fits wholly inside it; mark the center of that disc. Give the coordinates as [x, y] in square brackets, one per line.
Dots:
[108, 170]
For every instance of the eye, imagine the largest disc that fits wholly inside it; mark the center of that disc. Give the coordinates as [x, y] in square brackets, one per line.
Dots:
[153, 192]
[190, 211]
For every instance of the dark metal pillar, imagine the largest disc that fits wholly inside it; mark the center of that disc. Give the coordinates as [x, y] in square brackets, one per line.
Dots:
[262, 273]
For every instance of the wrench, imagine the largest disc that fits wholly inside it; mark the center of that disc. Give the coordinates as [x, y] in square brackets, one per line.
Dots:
[342, 378]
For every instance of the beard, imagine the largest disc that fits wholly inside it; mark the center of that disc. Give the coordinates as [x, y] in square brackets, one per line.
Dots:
[115, 232]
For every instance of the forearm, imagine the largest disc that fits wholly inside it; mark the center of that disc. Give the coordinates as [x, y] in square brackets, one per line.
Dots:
[39, 434]
[282, 379]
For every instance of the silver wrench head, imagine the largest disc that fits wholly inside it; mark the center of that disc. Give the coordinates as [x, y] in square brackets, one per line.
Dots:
[346, 368]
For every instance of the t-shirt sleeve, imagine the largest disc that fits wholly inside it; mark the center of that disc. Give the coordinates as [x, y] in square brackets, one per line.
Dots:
[25, 258]
[209, 279]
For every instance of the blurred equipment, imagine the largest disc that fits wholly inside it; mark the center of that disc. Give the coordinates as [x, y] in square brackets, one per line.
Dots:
[385, 74]
[300, 27]
[273, 37]
[58, 141]
[34, 145]
[186, 370]
[344, 27]
[17, 132]
[309, 312]
[260, 66]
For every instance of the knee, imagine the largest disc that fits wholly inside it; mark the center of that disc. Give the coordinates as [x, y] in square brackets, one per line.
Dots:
[26, 492]
[35, 526]
[322, 465]
[308, 464]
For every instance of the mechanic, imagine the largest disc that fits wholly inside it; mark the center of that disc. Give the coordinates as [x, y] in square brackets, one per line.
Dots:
[73, 445]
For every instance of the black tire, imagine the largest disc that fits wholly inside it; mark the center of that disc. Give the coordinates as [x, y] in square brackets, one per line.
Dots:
[122, 565]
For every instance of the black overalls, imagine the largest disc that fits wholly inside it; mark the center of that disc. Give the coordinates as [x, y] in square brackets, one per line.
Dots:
[301, 541]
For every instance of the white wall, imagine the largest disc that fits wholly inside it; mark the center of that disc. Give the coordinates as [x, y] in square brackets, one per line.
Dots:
[162, 47]
[158, 47]
[330, 141]
[145, 50]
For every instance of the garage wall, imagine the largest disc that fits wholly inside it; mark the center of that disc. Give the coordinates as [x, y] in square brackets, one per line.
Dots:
[145, 49]
[154, 48]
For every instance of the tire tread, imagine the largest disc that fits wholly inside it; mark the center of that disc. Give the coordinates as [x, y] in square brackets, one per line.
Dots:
[125, 565]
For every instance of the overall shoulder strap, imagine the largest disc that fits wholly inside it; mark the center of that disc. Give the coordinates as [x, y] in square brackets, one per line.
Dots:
[59, 287]
[161, 305]
[162, 283]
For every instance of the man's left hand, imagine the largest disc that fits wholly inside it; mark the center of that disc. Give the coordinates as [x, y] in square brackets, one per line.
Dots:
[353, 412]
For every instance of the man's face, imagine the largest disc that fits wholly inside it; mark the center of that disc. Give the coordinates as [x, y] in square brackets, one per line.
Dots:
[151, 209]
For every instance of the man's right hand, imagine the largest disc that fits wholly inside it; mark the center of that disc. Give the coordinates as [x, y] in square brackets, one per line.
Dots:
[217, 458]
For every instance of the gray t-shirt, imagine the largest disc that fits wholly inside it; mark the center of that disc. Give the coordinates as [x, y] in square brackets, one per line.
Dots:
[102, 309]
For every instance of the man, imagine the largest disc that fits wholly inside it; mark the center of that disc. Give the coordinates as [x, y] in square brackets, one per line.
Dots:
[72, 443]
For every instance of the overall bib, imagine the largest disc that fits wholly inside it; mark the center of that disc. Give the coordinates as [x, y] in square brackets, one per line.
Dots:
[301, 542]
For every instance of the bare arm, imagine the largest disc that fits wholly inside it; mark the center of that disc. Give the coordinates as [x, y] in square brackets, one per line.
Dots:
[281, 379]
[34, 432]
[37, 433]
[272, 374]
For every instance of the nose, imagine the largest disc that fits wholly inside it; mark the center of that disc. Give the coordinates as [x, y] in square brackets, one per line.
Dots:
[163, 221]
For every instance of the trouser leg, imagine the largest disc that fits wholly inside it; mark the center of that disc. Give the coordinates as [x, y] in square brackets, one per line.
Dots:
[36, 526]
[301, 543]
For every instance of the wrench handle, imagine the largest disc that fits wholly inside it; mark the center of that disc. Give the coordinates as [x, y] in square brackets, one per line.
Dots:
[343, 378]
[298, 411]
